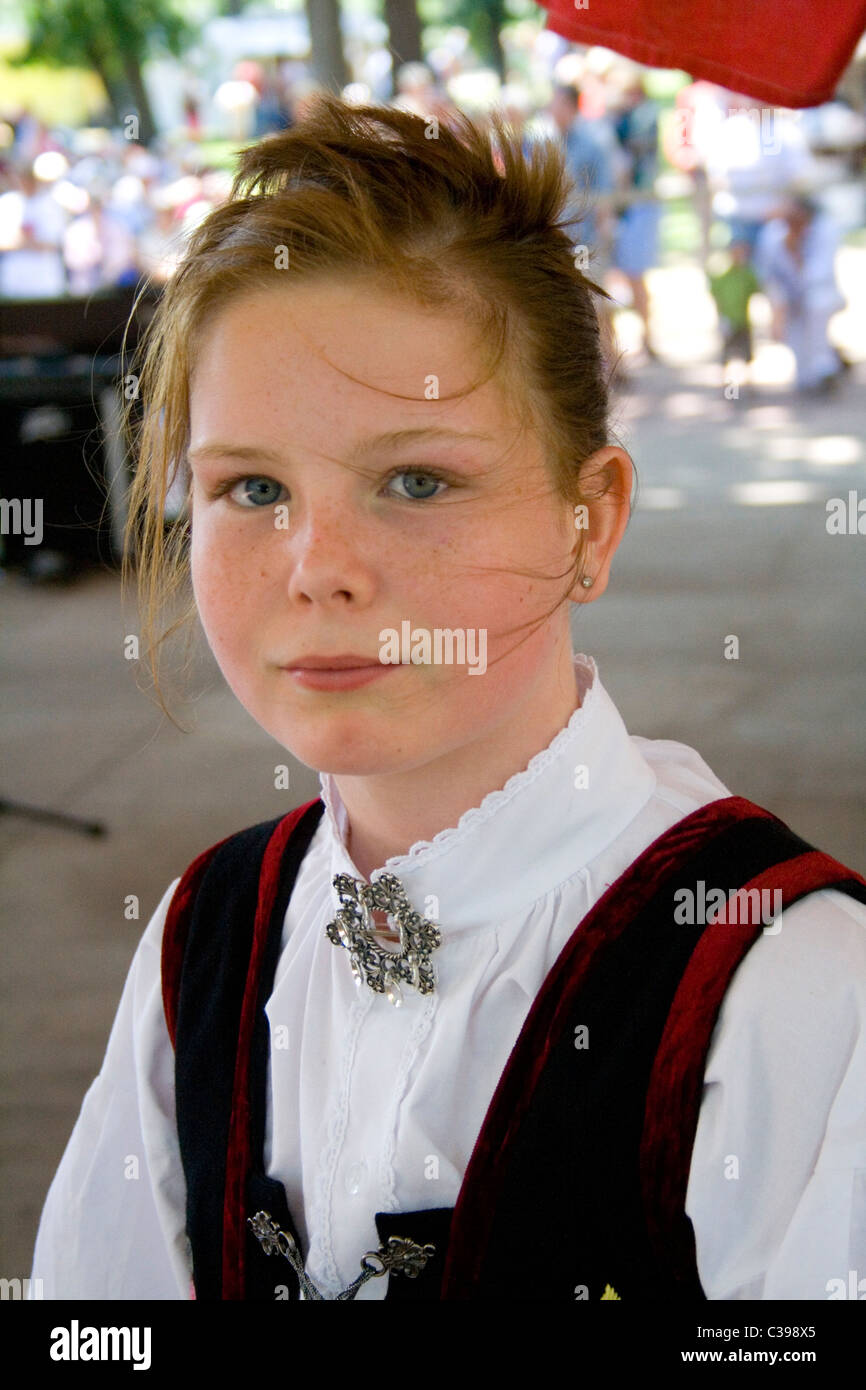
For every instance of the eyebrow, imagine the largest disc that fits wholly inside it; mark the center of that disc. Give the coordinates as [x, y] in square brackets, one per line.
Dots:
[392, 439]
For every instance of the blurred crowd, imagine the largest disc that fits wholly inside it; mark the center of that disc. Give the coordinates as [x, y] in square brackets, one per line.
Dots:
[92, 210]
[85, 210]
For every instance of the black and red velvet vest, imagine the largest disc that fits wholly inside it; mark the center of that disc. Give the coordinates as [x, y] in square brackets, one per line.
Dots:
[577, 1181]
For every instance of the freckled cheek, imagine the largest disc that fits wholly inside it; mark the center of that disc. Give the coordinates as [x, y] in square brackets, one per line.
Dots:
[494, 584]
[226, 579]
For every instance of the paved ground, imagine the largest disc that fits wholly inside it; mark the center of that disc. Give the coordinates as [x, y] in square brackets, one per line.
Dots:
[729, 537]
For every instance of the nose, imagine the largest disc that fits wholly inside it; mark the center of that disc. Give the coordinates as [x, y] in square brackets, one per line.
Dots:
[330, 558]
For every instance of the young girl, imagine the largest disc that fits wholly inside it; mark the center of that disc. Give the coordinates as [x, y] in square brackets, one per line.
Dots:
[489, 1019]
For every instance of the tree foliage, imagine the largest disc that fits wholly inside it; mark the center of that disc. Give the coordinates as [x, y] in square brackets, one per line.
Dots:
[114, 38]
[103, 34]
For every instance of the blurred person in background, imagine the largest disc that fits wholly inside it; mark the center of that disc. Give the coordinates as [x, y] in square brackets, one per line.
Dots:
[732, 288]
[637, 233]
[191, 115]
[588, 164]
[755, 156]
[795, 258]
[416, 89]
[161, 244]
[274, 110]
[600, 89]
[32, 267]
[100, 251]
[31, 137]
[686, 138]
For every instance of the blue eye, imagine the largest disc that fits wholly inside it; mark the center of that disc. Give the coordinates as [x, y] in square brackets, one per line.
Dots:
[427, 480]
[256, 492]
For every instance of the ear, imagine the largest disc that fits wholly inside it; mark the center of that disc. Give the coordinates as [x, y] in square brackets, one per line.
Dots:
[606, 483]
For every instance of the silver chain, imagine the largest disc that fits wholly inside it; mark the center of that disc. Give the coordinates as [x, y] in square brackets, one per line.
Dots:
[396, 1256]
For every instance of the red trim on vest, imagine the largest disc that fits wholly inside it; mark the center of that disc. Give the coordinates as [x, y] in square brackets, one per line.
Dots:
[175, 934]
[676, 1082]
[238, 1155]
[676, 1079]
[482, 1181]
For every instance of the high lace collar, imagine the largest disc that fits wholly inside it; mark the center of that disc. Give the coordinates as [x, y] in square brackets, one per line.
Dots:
[523, 839]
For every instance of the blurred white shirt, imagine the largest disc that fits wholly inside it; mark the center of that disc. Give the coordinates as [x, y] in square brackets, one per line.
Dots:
[32, 272]
[753, 157]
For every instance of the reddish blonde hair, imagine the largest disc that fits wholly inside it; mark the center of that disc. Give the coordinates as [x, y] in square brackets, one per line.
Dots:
[446, 215]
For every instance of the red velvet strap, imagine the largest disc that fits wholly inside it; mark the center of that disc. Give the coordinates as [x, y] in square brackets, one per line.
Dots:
[676, 1083]
[605, 921]
[175, 932]
[238, 1156]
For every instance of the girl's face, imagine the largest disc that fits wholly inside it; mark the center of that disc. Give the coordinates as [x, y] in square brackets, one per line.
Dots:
[332, 500]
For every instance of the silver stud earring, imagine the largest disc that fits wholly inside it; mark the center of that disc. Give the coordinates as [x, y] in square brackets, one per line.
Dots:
[586, 582]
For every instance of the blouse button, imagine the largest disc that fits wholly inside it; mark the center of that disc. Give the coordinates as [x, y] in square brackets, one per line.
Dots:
[355, 1177]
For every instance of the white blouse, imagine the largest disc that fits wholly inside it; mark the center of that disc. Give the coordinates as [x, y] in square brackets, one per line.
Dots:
[376, 1108]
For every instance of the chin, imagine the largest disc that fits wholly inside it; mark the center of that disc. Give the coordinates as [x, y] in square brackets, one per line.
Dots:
[331, 745]
[341, 747]
[360, 762]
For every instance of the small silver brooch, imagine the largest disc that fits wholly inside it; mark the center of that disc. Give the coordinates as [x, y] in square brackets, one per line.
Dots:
[353, 927]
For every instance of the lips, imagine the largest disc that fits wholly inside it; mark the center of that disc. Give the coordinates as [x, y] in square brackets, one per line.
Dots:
[342, 672]
[346, 662]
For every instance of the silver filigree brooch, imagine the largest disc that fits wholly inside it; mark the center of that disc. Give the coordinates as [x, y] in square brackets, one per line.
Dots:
[396, 1256]
[353, 927]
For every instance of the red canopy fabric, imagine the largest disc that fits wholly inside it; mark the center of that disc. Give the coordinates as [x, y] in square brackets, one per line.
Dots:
[787, 52]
